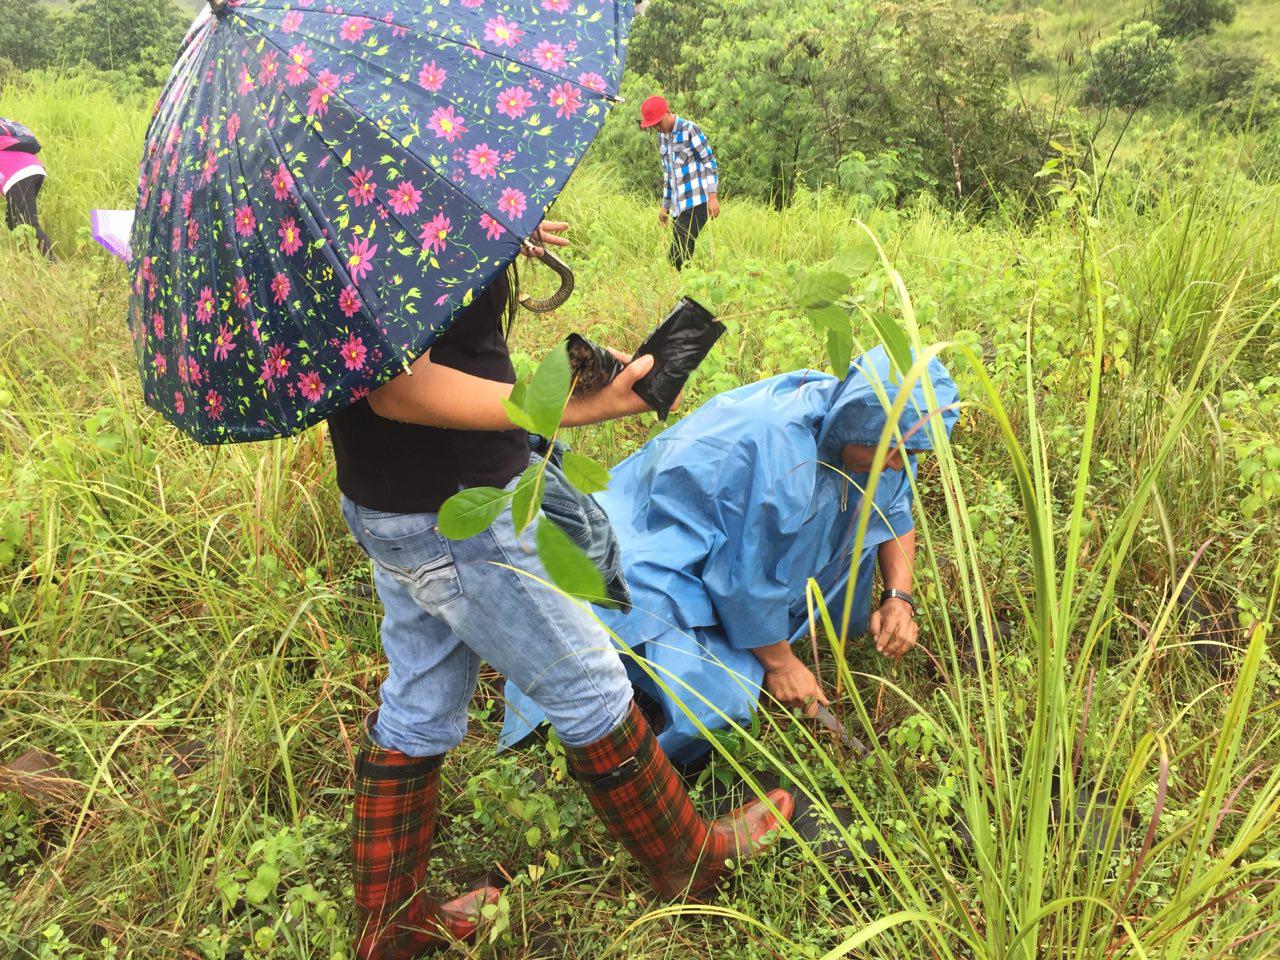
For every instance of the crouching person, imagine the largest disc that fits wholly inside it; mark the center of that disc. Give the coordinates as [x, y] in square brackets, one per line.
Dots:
[400, 454]
[725, 517]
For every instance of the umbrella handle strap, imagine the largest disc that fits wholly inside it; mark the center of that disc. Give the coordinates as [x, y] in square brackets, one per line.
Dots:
[561, 296]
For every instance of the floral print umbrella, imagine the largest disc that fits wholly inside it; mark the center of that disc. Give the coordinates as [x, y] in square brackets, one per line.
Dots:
[326, 183]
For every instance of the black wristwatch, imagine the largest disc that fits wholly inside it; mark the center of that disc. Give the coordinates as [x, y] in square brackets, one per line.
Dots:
[902, 595]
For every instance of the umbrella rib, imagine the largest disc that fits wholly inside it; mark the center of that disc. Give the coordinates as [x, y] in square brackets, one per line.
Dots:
[439, 36]
[261, 222]
[184, 275]
[307, 201]
[360, 113]
[391, 214]
[167, 114]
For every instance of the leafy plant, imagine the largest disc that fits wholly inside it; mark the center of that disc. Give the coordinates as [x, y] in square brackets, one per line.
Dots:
[793, 94]
[537, 406]
[1131, 68]
[1187, 18]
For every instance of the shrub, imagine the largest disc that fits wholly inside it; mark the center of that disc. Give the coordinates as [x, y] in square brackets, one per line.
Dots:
[140, 37]
[1231, 84]
[1188, 18]
[792, 93]
[24, 33]
[1131, 68]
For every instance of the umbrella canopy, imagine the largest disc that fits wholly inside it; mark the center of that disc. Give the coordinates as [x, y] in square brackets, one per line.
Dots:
[325, 185]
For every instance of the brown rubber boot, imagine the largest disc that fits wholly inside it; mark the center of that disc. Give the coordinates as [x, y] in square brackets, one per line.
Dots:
[396, 800]
[637, 794]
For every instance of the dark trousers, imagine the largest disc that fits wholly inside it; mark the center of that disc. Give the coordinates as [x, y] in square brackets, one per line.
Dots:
[21, 211]
[684, 235]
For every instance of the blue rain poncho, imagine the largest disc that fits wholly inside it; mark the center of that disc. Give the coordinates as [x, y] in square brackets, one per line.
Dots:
[724, 517]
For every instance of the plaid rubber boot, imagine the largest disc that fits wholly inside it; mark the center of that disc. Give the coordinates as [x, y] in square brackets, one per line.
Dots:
[637, 794]
[396, 800]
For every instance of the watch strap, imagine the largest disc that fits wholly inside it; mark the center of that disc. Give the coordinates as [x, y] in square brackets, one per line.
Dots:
[902, 595]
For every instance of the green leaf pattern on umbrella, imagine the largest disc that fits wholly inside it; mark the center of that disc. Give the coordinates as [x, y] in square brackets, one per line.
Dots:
[325, 185]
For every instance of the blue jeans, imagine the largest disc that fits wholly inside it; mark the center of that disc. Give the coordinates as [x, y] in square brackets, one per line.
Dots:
[448, 605]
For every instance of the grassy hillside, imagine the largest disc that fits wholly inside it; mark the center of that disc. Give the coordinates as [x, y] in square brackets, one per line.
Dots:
[188, 5]
[1073, 25]
[1090, 787]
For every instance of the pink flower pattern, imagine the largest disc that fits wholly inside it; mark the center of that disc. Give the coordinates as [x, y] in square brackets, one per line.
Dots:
[349, 301]
[246, 222]
[290, 236]
[354, 352]
[300, 58]
[566, 98]
[514, 102]
[360, 254]
[363, 191]
[491, 227]
[482, 161]
[513, 203]
[503, 32]
[314, 238]
[432, 77]
[448, 126]
[435, 233]
[405, 198]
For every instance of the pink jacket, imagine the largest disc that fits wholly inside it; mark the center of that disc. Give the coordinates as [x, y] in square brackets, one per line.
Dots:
[16, 165]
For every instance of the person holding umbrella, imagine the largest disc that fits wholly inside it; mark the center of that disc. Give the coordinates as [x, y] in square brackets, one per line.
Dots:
[21, 177]
[328, 209]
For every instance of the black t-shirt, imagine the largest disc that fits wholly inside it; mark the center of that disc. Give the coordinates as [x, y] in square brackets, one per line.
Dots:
[405, 468]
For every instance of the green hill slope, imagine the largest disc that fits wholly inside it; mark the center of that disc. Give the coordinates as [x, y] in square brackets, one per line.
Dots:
[1071, 25]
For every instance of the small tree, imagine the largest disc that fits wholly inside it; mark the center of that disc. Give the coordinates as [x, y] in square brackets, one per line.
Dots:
[139, 37]
[1131, 68]
[949, 83]
[1229, 83]
[1188, 18]
[26, 38]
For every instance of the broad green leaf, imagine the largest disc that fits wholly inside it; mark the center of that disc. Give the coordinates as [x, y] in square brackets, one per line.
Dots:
[857, 259]
[548, 392]
[840, 349]
[517, 393]
[517, 415]
[471, 511]
[830, 317]
[527, 499]
[821, 288]
[569, 568]
[584, 473]
[263, 885]
[894, 339]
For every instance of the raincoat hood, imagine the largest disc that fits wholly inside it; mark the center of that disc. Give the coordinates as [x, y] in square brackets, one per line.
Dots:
[860, 407]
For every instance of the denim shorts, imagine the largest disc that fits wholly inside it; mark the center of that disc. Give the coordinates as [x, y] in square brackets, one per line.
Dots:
[449, 605]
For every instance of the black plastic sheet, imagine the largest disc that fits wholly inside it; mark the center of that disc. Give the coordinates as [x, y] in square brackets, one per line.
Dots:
[678, 347]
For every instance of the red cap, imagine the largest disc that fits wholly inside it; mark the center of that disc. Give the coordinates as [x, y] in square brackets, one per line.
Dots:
[652, 111]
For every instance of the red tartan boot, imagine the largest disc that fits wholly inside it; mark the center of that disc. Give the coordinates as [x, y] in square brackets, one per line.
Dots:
[637, 794]
[397, 797]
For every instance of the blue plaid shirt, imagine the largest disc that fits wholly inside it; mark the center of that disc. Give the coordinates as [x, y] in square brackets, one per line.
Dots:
[689, 167]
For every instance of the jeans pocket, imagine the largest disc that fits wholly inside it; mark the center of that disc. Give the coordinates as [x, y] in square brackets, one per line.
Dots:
[569, 516]
[411, 548]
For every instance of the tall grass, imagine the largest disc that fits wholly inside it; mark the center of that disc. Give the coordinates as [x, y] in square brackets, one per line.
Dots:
[1083, 788]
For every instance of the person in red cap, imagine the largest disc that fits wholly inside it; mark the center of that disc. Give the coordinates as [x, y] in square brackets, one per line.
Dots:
[691, 179]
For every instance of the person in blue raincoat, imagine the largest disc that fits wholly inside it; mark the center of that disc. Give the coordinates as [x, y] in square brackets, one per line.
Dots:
[724, 518]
